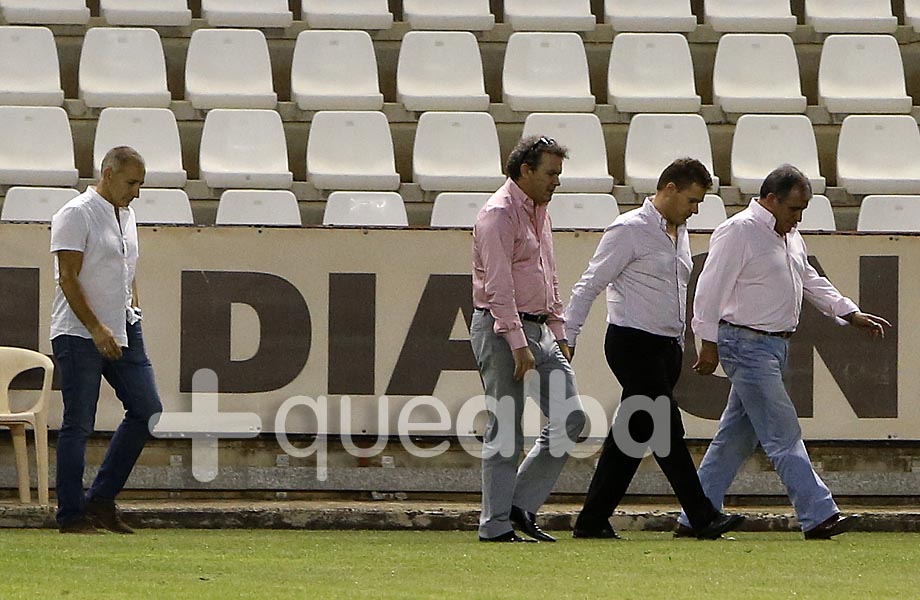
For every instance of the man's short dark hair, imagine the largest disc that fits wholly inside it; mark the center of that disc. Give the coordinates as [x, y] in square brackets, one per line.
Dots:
[782, 180]
[683, 173]
[529, 151]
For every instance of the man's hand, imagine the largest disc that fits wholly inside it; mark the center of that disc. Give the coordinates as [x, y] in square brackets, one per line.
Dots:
[523, 362]
[106, 343]
[871, 323]
[708, 359]
[567, 351]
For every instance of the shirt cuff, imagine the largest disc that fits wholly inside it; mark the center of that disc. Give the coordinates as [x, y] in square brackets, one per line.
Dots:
[516, 338]
[707, 331]
[558, 329]
[844, 306]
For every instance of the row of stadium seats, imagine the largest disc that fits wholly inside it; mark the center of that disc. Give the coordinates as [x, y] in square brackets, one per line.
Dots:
[450, 210]
[337, 70]
[832, 16]
[453, 151]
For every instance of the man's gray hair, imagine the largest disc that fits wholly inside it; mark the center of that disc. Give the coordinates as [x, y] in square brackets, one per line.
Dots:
[119, 156]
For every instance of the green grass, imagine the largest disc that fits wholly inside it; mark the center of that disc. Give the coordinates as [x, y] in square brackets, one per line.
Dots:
[223, 564]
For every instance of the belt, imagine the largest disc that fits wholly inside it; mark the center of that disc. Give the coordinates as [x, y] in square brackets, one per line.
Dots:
[541, 319]
[780, 334]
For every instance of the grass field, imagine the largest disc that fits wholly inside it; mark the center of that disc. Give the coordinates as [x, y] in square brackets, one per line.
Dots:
[199, 564]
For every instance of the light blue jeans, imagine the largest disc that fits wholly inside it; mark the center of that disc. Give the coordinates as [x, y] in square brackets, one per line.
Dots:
[760, 410]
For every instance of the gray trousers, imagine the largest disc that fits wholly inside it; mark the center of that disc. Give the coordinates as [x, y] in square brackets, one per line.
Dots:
[504, 483]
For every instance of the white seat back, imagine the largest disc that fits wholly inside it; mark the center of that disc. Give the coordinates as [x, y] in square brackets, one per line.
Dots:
[34, 203]
[651, 72]
[162, 207]
[365, 209]
[245, 13]
[30, 73]
[440, 70]
[258, 207]
[36, 147]
[441, 157]
[582, 211]
[229, 68]
[761, 16]
[351, 150]
[46, 12]
[585, 170]
[335, 70]
[738, 82]
[819, 216]
[912, 14]
[546, 72]
[850, 16]
[123, 67]
[173, 13]
[153, 132]
[862, 74]
[455, 209]
[654, 141]
[711, 214]
[549, 15]
[879, 155]
[471, 15]
[898, 213]
[347, 14]
[642, 15]
[244, 149]
[764, 142]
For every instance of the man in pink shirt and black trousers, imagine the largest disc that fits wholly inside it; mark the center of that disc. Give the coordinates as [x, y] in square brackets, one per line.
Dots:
[518, 329]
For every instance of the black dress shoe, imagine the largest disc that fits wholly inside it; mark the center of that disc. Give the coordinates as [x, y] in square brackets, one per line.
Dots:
[835, 525]
[722, 523]
[506, 537]
[527, 522]
[684, 531]
[606, 532]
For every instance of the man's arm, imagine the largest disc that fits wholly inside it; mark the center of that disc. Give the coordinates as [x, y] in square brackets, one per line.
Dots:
[824, 296]
[70, 263]
[134, 301]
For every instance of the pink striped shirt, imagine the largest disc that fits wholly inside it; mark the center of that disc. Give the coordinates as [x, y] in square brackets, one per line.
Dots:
[514, 269]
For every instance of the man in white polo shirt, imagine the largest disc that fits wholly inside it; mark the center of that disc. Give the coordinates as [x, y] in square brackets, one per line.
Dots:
[96, 333]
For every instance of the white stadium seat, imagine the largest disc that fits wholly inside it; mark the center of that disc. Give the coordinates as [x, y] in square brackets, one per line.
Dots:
[173, 13]
[850, 16]
[654, 141]
[347, 14]
[123, 67]
[162, 207]
[546, 72]
[30, 73]
[642, 15]
[457, 209]
[764, 142]
[36, 147]
[335, 70]
[912, 14]
[351, 150]
[468, 15]
[899, 214]
[246, 13]
[738, 81]
[582, 211]
[711, 214]
[755, 16]
[651, 72]
[586, 168]
[879, 155]
[365, 209]
[549, 15]
[229, 68]
[244, 149]
[440, 70]
[819, 216]
[258, 207]
[34, 203]
[862, 74]
[46, 12]
[153, 132]
[441, 156]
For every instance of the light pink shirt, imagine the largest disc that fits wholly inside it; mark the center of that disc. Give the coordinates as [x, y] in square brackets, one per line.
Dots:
[755, 277]
[514, 269]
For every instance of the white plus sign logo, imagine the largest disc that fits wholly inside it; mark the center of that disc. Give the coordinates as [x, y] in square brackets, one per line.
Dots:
[205, 425]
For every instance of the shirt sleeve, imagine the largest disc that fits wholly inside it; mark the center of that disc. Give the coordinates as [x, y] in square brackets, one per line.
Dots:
[727, 251]
[69, 230]
[615, 250]
[822, 294]
[495, 232]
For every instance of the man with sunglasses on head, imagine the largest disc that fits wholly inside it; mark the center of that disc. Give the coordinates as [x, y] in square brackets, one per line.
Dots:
[518, 328]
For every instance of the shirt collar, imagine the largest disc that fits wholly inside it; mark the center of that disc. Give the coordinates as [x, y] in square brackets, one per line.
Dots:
[652, 213]
[98, 200]
[763, 215]
[520, 197]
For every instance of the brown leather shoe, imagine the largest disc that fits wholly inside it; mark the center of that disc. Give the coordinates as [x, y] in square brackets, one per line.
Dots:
[79, 525]
[104, 514]
[834, 525]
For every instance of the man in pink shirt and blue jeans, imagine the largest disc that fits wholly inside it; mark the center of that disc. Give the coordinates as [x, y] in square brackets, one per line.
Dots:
[517, 330]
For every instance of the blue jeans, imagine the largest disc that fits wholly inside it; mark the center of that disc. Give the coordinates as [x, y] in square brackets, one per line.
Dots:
[82, 367]
[760, 410]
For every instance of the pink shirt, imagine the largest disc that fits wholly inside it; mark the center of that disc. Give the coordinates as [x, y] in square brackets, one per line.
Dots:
[513, 265]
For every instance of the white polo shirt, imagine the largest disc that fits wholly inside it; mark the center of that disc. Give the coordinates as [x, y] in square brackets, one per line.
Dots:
[87, 224]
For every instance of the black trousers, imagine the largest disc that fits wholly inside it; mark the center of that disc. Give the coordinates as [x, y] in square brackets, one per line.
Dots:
[649, 365]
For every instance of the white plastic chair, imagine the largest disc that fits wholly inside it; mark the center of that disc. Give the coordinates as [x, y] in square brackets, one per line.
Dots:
[14, 361]
[173, 13]
[760, 16]
[912, 14]
[245, 13]
[365, 209]
[229, 68]
[36, 147]
[586, 168]
[764, 142]
[30, 73]
[651, 72]
[153, 132]
[819, 216]
[549, 15]
[879, 155]
[34, 203]
[347, 14]
[862, 74]
[642, 15]
[442, 158]
[654, 141]
[463, 15]
[440, 71]
[46, 12]
[546, 72]
[850, 16]
[351, 150]
[258, 207]
[756, 73]
[457, 210]
[162, 207]
[123, 67]
[335, 70]
[582, 211]
[711, 214]
[899, 214]
[244, 149]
